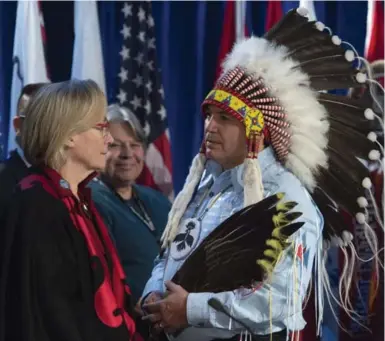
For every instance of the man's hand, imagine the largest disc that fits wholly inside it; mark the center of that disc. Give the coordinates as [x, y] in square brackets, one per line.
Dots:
[170, 312]
[151, 298]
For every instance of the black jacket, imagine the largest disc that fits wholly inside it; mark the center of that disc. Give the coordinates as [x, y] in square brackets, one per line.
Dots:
[49, 282]
[11, 172]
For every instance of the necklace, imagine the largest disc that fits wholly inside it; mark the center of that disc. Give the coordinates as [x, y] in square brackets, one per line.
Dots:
[210, 204]
[143, 215]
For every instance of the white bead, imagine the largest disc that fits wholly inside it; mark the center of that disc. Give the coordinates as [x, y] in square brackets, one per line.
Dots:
[362, 202]
[319, 26]
[366, 183]
[360, 217]
[302, 11]
[372, 136]
[336, 40]
[374, 155]
[349, 55]
[361, 77]
[347, 237]
[369, 114]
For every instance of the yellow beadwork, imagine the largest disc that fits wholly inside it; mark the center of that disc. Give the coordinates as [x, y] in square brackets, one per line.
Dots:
[252, 117]
[253, 122]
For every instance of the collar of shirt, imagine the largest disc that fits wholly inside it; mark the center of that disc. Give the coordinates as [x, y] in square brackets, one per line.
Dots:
[266, 160]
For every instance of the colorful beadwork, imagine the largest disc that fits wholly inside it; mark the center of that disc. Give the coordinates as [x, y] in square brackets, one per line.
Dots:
[252, 117]
[248, 100]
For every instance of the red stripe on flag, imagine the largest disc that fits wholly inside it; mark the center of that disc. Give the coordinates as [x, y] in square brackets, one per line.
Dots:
[145, 178]
[162, 143]
[228, 34]
[375, 48]
[42, 28]
[274, 13]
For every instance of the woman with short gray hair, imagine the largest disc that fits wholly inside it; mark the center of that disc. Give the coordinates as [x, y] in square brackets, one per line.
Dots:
[120, 114]
[136, 215]
[61, 278]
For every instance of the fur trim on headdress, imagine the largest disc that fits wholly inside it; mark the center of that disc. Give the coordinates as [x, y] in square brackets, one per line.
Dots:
[183, 198]
[252, 182]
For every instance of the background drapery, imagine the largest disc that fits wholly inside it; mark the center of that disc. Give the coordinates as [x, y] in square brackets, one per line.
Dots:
[189, 36]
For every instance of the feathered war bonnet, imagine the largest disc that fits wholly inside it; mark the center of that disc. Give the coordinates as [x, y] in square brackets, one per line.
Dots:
[277, 86]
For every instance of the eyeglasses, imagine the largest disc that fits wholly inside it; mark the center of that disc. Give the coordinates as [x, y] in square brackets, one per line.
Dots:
[103, 127]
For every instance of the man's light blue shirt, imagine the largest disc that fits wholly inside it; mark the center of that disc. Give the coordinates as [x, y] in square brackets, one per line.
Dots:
[274, 306]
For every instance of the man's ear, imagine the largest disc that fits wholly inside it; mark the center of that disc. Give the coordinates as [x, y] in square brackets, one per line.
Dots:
[17, 123]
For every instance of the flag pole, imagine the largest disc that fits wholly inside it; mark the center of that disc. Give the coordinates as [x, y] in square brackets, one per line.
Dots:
[240, 18]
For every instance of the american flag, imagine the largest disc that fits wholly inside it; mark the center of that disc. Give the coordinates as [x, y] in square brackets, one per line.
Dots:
[141, 91]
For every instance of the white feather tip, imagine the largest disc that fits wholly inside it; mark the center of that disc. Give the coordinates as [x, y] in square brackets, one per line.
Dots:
[360, 217]
[302, 11]
[361, 77]
[366, 183]
[369, 114]
[336, 40]
[319, 26]
[372, 136]
[347, 237]
[374, 155]
[349, 55]
[362, 202]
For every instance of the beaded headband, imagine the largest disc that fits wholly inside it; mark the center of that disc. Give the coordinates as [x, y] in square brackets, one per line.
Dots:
[246, 99]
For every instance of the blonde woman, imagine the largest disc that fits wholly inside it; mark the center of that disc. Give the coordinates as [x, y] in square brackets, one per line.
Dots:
[61, 278]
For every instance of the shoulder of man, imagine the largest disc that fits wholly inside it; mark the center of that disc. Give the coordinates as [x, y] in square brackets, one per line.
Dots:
[294, 190]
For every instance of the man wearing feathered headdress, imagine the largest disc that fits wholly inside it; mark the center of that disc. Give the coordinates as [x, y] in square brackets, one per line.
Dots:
[270, 127]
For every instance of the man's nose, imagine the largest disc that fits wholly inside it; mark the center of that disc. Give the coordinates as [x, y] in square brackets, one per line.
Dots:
[212, 124]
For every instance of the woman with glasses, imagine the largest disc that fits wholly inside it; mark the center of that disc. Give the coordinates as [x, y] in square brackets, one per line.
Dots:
[61, 278]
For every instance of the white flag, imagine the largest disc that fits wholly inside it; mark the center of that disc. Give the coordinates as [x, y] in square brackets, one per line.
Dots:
[28, 56]
[87, 61]
[309, 5]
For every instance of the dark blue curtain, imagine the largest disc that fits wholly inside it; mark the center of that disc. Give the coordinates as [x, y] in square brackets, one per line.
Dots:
[7, 24]
[188, 38]
[111, 21]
